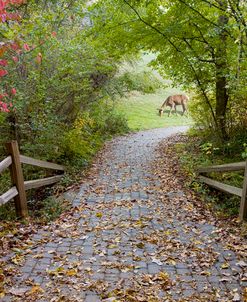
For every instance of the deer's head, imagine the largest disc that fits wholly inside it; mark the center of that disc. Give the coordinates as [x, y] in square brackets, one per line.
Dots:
[161, 111]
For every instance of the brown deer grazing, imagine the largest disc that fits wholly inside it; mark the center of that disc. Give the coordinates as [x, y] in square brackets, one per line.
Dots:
[173, 101]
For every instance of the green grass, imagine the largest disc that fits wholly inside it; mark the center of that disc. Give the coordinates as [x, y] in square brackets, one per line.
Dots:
[141, 110]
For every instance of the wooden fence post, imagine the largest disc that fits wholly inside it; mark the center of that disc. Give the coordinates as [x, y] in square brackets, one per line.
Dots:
[243, 205]
[17, 179]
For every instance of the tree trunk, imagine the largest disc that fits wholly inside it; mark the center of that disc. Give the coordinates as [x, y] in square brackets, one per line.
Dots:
[221, 67]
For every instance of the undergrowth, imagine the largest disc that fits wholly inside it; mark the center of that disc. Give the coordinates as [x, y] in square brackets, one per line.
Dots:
[195, 152]
[76, 150]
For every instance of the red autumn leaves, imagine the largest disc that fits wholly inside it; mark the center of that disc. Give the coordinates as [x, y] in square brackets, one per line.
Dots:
[12, 50]
[7, 13]
[3, 72]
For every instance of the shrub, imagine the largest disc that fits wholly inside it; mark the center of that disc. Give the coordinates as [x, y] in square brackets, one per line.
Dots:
[81, 140]
[144, 82]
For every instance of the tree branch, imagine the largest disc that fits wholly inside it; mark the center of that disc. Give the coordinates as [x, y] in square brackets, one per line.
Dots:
[195, 54]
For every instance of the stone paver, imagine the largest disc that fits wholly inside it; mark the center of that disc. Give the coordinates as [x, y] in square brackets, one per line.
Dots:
[120, 231]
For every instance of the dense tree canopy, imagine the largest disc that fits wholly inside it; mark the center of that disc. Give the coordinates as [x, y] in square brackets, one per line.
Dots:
[57, 79]
[59, 65]
[200, 45]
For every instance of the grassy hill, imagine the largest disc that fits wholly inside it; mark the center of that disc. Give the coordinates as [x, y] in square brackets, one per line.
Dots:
[141, 109]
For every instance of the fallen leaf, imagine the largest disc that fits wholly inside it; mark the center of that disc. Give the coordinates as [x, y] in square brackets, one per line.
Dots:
[140, 245]
[236, 297]
[157, 261]
[206, 273]
[36, 289]
[71, 272]
[225, 265]
[18, 291]
[241, 263]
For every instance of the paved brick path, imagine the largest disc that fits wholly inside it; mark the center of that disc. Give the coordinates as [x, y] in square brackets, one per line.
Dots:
[121, 240]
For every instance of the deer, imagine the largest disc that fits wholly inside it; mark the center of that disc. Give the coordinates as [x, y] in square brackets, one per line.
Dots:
[173, 101]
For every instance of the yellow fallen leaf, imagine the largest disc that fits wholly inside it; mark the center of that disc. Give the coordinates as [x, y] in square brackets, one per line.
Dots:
[172, 262]
[1, 278]
[117, 239]
[38, 256]
[36, 289]
[71, 272]
[167, 233]
[2, 293]
[225, 265]
[245, 294]
[125, 270]
[18, 259]
[190, 207]
[163, 276]
[112, 246]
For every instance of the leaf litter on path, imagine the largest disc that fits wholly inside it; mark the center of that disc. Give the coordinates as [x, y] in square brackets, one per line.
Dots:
[164, 247]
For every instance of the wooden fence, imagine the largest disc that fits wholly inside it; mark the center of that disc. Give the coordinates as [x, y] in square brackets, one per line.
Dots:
[18, 190]
[240, 166]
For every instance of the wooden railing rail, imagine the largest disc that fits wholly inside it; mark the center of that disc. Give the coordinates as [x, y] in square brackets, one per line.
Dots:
[18, 191]
[40, 163]
[5, 197]
[223, 168]
[239, 166]
[4, 164]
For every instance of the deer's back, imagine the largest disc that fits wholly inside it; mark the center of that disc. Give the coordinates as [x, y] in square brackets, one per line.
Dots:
[178, 99]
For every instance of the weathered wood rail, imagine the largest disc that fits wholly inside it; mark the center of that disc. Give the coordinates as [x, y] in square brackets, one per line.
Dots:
[19, 187]
[239, 166]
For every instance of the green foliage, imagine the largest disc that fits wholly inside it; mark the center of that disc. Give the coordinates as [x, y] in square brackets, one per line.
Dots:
[74, 72]
[204, 51]
[116, 124]
[7, 212]
[66, 81]
[49, 208]
[208, 148]
[90, 129]
[194, 153]
[43, 210]
[244, 153]
[144, 82]
[81, 141]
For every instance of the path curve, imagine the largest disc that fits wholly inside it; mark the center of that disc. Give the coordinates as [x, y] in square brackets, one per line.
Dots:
[117, 244]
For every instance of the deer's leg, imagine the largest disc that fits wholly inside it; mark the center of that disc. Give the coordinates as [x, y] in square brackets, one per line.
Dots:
[169, 113]
[175, 107]
[172, 108]
[184, 110]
